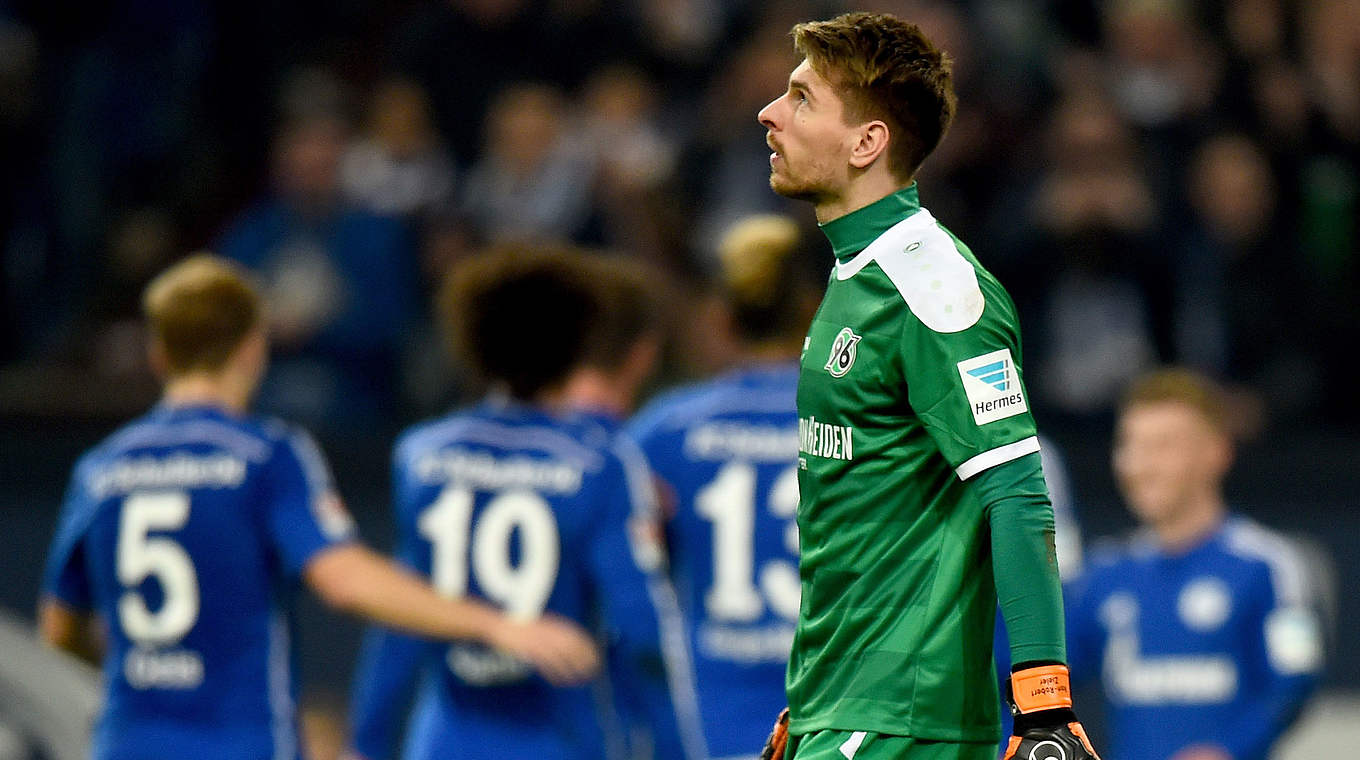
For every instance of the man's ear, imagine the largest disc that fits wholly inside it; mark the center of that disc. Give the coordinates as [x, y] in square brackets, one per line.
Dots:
[872, 141]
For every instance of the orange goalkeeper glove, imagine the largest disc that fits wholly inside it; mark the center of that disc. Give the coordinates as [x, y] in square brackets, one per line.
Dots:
[1040, 697]
[779, 738]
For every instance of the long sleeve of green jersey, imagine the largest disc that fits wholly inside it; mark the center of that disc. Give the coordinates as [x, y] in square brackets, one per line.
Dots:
[1024, 561]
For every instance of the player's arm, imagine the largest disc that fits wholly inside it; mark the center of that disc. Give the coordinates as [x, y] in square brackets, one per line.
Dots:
[389, 664]
[70, 630]
[1025, 567]
[1085, 635]
[315, 539]
[64, 617]
[961, 368]
[641, 610]
[1283, 654]
[357, 580]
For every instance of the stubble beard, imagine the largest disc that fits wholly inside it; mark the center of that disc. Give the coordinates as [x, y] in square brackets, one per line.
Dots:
[789, 188]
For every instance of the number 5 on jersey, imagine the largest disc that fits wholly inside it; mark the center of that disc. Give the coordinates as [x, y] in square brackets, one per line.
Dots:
[141, 555]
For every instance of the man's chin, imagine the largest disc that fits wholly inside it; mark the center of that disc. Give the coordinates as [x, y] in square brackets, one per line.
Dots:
[789, 189]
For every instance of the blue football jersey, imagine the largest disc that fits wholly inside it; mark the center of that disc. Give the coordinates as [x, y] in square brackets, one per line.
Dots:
[1219, 645]
[183, 531]
[530, 512]
[727, 451]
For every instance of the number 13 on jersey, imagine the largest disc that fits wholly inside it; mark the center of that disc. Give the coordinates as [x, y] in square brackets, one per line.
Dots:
[729, 502]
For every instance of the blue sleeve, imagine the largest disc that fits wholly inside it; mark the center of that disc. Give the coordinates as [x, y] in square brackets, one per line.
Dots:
[1001, 655]
[303, 512]
[642, 614]
[1085, 634]
[389, 662]
[1283, 657]
[65, 575]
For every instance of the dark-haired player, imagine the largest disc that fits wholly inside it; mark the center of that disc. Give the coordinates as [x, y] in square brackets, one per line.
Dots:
[922, 498]
[182, 532]
[519, 502]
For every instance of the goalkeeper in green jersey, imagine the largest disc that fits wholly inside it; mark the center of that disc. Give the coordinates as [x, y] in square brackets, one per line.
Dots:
[922, 500]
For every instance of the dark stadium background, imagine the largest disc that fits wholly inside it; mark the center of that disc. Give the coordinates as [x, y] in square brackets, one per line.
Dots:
[1155, 181]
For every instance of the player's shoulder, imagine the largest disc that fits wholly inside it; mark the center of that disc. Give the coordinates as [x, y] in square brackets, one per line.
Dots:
[745, 392]
[507, 431]
[933, 271]
[164, 430]
[669, 411]
[291, 440]
[424, 435]
[1261, 551]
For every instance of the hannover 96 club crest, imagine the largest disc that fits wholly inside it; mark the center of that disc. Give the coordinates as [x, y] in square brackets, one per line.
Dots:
[843, 352]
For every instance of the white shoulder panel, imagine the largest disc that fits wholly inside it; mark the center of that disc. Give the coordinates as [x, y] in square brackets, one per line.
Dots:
[939, 285]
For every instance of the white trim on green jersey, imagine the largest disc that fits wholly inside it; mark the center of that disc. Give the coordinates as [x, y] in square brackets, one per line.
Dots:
[939, 285]
[998, 455]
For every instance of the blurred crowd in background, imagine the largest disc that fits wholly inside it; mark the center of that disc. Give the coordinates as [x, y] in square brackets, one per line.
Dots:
[1154, 180]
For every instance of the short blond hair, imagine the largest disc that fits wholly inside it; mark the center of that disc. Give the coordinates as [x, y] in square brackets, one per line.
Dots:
[1181, 386]
[199, 311]
[885, 68]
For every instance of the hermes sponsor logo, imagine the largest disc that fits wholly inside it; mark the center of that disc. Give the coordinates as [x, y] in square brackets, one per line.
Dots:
[992, 386]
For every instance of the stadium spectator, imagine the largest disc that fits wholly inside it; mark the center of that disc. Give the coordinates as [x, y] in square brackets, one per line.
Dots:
[725, 451]
[535, 179]
[399, 167]
[181, 531]
[1234, 292]
[1094, 220]
[340, 281]
[725, 163]
[519, 502]
[635, 161]
[1202, 627]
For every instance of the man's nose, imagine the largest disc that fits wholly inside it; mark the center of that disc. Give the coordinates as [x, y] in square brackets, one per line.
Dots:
[766, 115]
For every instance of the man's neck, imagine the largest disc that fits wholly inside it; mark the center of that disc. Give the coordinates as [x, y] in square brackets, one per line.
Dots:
[592, 390]
[1191, 525]
[860, 192]
[205, 390]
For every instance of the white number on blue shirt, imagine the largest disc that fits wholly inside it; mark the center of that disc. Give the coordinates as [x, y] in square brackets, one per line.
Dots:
[522, 589]
[141, 555]
[729, 502]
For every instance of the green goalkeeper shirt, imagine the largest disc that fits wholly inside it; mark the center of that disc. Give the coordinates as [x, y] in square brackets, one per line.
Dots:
[917, 465]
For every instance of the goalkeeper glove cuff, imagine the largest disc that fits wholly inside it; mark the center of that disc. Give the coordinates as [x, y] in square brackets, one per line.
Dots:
[778, 739]
[1040, 697]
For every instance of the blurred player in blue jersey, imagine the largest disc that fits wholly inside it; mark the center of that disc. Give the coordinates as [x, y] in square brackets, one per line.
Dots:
[621, 352]
[726, 451]
[520, 502]
[1202, 627]
[182, 532]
